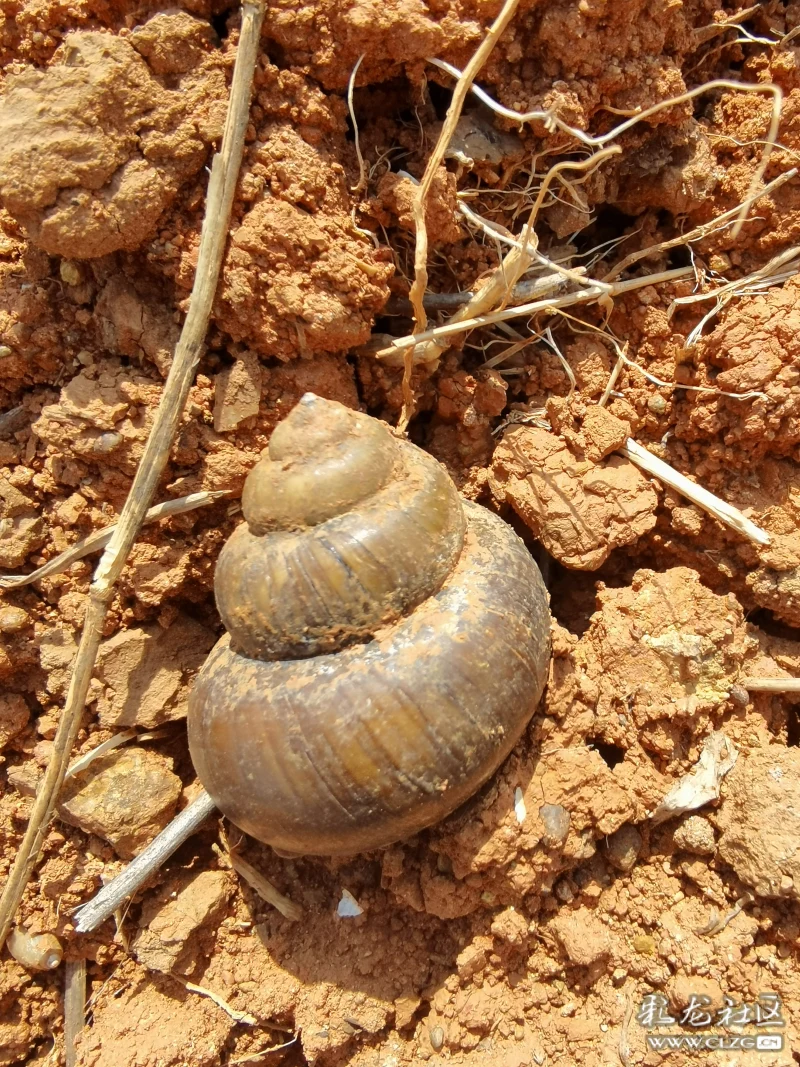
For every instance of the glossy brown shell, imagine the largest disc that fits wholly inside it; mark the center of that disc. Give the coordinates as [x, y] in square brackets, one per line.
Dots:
[388, 642]
[346, 752]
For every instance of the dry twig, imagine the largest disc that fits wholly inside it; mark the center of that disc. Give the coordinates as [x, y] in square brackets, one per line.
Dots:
[83, 762]
[716, 507]
[221, 188]
[265, 889]
[501, 282]
[770, 685]
[699, 232]
[237, 1016]
[251, 1056]
[593, 291]
[90, 915]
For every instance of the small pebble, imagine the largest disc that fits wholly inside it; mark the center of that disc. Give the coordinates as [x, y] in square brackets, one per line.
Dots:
[107, 442]
[436, 1034]
[739, 695]
[696, 834]
[623, 848]
[556, 824]
[12, 619]
[564, 892]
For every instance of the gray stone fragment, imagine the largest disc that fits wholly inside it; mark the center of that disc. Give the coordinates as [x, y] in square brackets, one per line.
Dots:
[556, 824]
[623, 847]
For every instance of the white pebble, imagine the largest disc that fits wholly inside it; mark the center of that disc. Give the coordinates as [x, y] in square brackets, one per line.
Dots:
[348, 907]
[519, 805]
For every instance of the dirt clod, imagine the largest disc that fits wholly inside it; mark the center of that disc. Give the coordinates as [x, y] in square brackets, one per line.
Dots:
[584, 938]
[146, 673]
[88, 160]
[758, 818]
[125, 797]
[169, 921]
[580, 510]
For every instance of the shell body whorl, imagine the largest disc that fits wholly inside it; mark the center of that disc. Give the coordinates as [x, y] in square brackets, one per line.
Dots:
[434, 660]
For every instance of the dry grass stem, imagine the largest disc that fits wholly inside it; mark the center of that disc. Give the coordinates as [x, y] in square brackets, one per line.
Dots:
[100, 538]
[265, 889]
[699, 232]
[221, 187]
[612, 378]
[252, 1056]
[712, 29]
[362, 169]
[465, 79]
[710, 503]
[89, 757]
[238, 1016]
[74, 1007]
[501, 282]
[754, 394]
[770, 685]
[592, 292]
[222, 184]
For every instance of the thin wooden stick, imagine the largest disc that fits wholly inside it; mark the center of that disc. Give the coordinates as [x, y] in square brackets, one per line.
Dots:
[221, 188]
[74, 1007]
[90, 915]
[593, 291]
[265, 889]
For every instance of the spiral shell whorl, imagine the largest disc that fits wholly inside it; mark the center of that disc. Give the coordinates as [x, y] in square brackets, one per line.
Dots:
[348, 530]
[323, 459]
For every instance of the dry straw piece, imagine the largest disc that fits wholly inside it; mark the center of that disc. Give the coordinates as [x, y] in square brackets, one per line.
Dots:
[221, 187]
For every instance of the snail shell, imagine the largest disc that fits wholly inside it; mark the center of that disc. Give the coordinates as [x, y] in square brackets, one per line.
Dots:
[37, 952]
[387, 642]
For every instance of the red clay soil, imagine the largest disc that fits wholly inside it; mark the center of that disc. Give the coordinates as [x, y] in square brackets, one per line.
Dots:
[531, 925]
